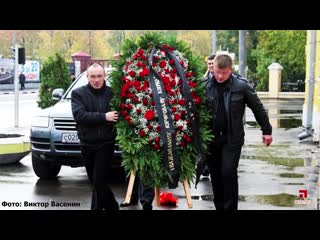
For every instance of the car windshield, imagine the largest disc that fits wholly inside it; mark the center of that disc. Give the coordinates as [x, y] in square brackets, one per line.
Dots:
[81, 81]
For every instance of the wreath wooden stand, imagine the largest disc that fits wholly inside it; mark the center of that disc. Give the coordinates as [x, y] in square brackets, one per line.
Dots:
[157, 191]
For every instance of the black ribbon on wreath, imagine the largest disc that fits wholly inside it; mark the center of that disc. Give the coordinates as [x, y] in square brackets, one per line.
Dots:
[167, 133]
[170, 157]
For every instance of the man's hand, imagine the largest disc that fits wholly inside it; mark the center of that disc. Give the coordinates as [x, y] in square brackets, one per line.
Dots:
[112, 116]
[267, 140]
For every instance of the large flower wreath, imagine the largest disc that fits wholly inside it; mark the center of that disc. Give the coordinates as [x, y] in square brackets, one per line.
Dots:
[139, 129]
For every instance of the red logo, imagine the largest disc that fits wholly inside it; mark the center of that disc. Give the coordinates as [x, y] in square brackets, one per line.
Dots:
[303, 193]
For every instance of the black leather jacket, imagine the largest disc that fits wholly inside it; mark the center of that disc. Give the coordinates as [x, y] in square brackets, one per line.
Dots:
[89, 107]
[238, 93]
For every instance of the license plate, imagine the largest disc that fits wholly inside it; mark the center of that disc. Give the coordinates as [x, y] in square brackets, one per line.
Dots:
[70, 138]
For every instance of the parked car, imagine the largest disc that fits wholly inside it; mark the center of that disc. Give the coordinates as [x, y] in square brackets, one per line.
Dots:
[53, 137]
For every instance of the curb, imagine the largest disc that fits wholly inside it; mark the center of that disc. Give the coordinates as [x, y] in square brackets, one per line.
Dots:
[20, 92]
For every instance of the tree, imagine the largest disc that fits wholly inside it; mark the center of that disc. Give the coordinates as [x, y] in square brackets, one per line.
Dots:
[54, 74]
[287, 47]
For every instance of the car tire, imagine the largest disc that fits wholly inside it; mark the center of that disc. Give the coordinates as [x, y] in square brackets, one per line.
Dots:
[44, 169]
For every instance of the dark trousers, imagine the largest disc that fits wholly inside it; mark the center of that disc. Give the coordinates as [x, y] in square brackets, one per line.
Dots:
[140, 191]
[223, 163]
[97, 160]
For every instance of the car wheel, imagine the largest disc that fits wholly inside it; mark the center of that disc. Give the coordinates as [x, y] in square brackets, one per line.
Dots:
[44, 169]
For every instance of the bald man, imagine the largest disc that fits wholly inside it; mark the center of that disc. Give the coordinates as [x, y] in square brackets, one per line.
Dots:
[95, 126]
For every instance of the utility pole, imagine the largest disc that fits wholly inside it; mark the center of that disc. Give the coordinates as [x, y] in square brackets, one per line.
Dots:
[16, 81]
[242, 53]
[90, 42]
[243, 59]
[214, 41]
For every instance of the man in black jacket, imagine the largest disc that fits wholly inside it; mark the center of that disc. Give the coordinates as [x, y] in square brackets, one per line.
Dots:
[227, 96]
[91, 111]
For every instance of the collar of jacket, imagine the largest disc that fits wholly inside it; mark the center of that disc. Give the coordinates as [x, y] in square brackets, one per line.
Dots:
[229, 84]
[98, 91]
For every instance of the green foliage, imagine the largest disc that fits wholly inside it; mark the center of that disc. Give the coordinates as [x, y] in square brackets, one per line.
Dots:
[138, 154]
[54, 74]
[287, 47]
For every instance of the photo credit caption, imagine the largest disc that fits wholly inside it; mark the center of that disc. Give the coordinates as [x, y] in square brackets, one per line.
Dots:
[26, 204]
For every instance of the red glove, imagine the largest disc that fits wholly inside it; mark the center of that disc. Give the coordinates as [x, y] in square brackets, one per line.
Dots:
[167, 199]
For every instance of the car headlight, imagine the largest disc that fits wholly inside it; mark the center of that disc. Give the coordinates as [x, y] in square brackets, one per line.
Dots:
[40, 122]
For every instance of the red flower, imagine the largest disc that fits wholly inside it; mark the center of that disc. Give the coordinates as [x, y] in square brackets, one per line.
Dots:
[174, 70]
[171, 93]
[154, 64]
[153, 103]
[188, 139]
[132, 73]
[156, 147]
[174, 101]
[124, 113]
[158, 128]
[143, 65]
[149, 115]
[171, 61]
[142, 133]
[144, 72]
[188, 122]
[122, 95]
[197, 100]
[157, 139]
[143, 57]
[127, 118]
[183, 113]
[131, 122]
[139, 64]
[150, 127]
[138, 110]
[136, 99]
[124, 79]
[145, 102]
[129, 106]
[155, 58]
[181, 144]
[166, 80]
[130, 95]
[177, 117]
[180, 82]
[173, 109]
[173, 83]
[173, 75]
[166, 71]
[140, 52]
[122, 106]
[182, 102]
[167, 88]
[162, 64]
[135, 56]
[180, 128]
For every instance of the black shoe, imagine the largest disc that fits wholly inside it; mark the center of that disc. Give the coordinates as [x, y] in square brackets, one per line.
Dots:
[132, 202]
[146, 206]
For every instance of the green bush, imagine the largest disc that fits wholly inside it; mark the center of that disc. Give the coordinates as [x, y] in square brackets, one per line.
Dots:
[54, 74]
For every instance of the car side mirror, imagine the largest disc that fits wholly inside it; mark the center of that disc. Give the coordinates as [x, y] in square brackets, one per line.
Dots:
[57, 94]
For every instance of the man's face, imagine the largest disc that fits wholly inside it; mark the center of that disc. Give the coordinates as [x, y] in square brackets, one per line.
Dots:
[96, 77]
[210, 65]
[222, 74]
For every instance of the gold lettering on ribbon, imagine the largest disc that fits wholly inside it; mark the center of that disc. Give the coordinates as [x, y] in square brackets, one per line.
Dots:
[170, 152]
[158, 86]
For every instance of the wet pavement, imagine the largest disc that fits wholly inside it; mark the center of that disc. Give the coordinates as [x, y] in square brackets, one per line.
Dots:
[269, 178]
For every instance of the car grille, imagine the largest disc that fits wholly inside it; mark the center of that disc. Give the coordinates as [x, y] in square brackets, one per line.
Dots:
[66, 147]
[65, 124]
[40, 143]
